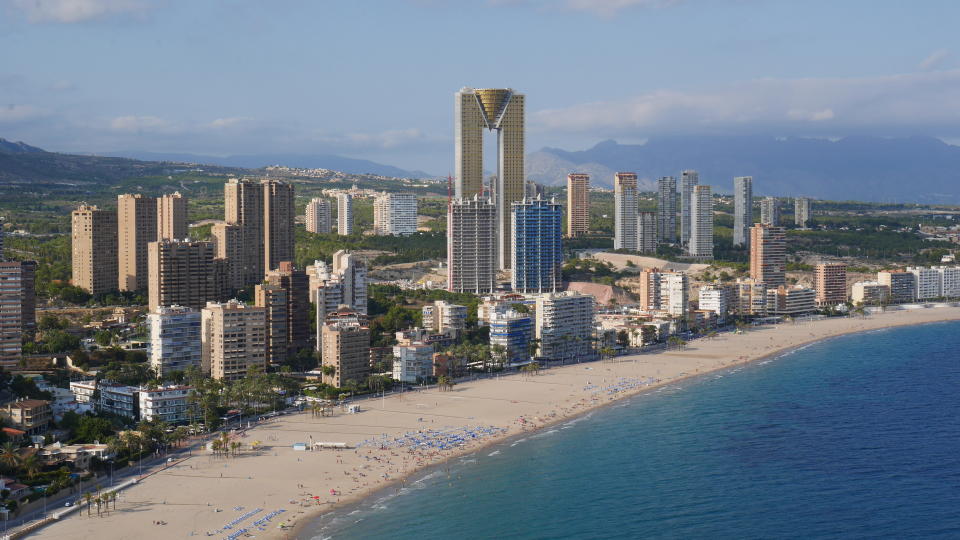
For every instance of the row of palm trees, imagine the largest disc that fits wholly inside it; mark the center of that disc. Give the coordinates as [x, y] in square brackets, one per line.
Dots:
[222, 446]
[101, 500]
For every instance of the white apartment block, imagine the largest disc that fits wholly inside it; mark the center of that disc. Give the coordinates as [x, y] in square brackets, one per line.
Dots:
[564, 326]
[344, 214]
[928, 284]
[319, 217]
[625, 208]
[174, 339]
[343, 284]
[715, 299]
[700, 243]
[770, 211]
[742, 210]
[443, 317]
[395, 214]
[801, 211]
[170, 404]
[412, 363]
[791, 300]
[674, 298]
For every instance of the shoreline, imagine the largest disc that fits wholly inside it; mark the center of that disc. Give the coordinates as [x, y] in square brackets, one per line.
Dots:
[521, 405]
[347, 507]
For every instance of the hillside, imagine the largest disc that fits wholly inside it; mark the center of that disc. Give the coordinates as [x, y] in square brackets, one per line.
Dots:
[914, 169]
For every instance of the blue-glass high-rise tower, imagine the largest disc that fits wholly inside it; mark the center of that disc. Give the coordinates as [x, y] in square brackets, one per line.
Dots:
[537, 245]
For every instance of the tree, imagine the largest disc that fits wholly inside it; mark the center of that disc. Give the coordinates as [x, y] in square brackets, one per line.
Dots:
[87, 497]
[9, 455]
[93, 428]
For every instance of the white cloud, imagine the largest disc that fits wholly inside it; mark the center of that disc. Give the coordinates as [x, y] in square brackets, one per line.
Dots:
[392, 138]
[19, 113]
[935, 60]
[72, 11]
[138, 123]
[919, 102]
[608, 8]
[230, 122]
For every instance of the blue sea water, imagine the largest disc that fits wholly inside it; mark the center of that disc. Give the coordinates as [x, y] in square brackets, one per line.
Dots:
[855, 437]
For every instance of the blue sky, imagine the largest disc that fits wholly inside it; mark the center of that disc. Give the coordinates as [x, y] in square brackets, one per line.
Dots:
[375, 79]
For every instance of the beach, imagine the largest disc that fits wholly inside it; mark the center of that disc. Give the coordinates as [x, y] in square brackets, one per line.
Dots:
[392, 438]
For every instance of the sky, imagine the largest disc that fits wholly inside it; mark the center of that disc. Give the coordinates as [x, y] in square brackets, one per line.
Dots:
[375, 79]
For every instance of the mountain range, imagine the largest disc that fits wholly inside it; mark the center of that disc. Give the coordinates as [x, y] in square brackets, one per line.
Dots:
[302, 161]
[911, 169]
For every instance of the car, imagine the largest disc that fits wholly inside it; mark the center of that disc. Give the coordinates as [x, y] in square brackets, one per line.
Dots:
[68, 504]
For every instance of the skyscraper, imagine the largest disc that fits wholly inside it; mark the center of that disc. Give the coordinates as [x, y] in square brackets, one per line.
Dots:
[578, 204]
[319, 217]
[471, 245]
[171, 217]
[344, 214]
[801, 211]
[768, 259]
[273, 299]
[345, 339]
[296, 285]
[18, 308]
[243, 206]
[625, 207]
[701, 223]
[228, 245]
[278, 218]
[667, 209]
[830, 282]
[537, 246]
[742, 210]
[674, 293]
[395, 214]
[234, 339]
[688, 179]
[136, 227]
[94, 242]
[647, 232]
[770, 211]
[501, 110]
[184, 273]
[175, 342]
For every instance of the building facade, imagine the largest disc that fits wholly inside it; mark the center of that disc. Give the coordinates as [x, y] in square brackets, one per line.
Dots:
[500, 110]
[279, 213]
[795, 300]
[345, 346]
[175, 343]
[869, 293]
[742, 210]
[395, 214]
[172, 217]
[688, 180]
[537, 246]
[625, 209]
[18, 308]
[228, 245]
[444, 317]
[513, 331]
[647, 232]
[667, 209]
[674, 294]
[170, 404]
[136, 228]
[471, 245]
[412, 363]
[768, 255]
[344, 214]
[901, 285]
[234, 339]
[830, 283]
[578, 204]
[184, 273]
[564, 326]
[296, 285]
[94, 249]
[319, 217]
[801, 212]
[273, 300]
[770, 211]
[243, 207]
[700, 241]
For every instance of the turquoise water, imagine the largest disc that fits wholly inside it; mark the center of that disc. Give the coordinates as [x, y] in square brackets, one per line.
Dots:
[856, 437]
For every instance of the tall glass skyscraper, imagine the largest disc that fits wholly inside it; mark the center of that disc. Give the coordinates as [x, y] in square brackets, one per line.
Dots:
[537, 245]
[742, 210]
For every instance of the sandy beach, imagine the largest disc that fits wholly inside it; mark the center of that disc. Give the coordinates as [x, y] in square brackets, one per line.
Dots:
[259, 490]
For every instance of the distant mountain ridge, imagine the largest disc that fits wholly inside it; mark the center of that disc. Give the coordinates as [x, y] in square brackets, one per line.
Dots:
[303, 161]
[911, 169]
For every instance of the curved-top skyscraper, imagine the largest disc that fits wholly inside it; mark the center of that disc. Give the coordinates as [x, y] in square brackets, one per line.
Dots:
[501, 110]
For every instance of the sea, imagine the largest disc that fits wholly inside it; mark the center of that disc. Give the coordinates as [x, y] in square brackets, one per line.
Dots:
[852, 437]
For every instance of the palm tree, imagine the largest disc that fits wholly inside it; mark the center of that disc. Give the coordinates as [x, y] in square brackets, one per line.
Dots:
[9, 455]
[31, 465]
[606, 353]
[87, 497]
